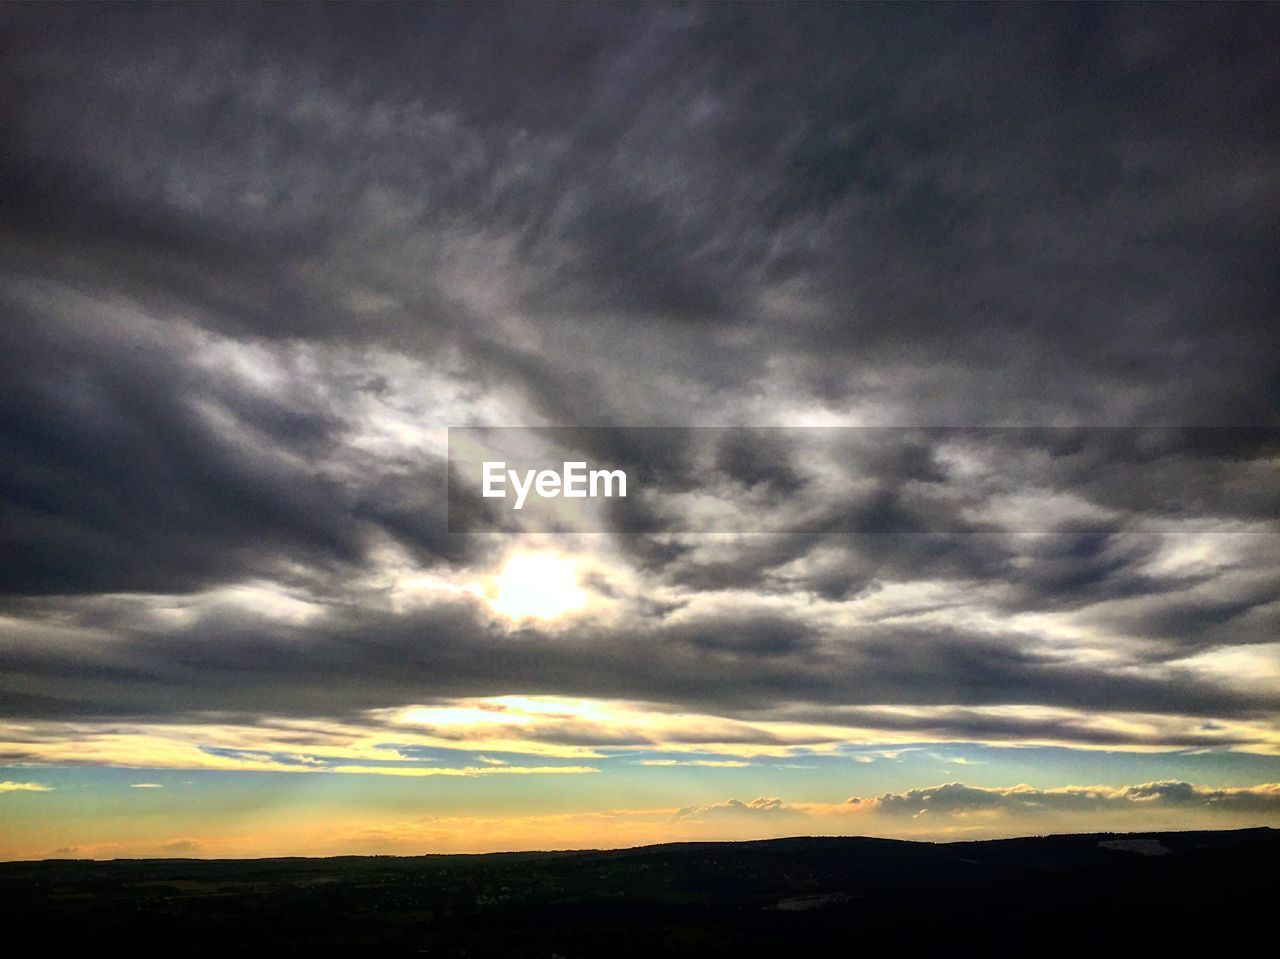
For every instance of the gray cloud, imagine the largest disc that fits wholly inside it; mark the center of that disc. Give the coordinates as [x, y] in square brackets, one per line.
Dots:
[960, 798]
[252, 256]
[237, 662]
[737, 809]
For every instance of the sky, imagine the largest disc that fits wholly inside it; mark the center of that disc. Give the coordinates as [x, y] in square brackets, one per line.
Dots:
[959, 323]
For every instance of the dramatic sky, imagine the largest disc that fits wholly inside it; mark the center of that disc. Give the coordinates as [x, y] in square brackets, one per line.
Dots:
[256, 261]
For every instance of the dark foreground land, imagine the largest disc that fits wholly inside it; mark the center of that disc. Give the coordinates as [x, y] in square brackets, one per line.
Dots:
[793, 897]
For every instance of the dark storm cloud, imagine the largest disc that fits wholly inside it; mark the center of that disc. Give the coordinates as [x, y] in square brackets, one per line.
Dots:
[128, 468]
[642, 215]
[1232, 614]
[915, 207]
[235, 661]
[757, 458]
[114, 479]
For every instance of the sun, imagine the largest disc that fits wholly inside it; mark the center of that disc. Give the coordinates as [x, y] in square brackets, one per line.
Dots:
[537, 586]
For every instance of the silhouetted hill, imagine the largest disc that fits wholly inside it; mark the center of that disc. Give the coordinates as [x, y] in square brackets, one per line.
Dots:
[806, 896]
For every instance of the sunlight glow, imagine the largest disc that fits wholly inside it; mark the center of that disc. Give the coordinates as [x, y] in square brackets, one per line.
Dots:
[537, 585]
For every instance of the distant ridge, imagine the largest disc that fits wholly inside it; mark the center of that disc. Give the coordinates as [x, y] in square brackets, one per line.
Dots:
[1244, 832]
[806, 895]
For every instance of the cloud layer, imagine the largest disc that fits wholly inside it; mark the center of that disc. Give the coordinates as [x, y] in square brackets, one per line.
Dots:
[257, 260]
